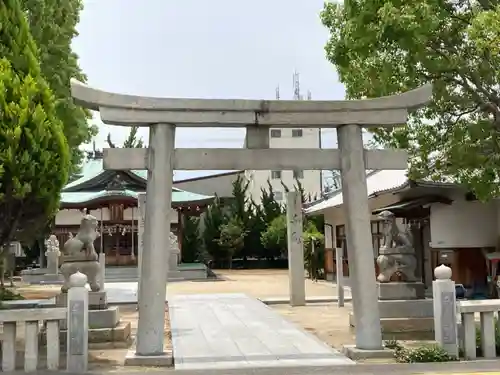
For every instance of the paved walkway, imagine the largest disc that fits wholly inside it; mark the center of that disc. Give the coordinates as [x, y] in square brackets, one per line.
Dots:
[223, 331]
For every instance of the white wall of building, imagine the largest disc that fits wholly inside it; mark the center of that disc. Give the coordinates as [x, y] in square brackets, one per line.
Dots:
[464, 224]
[311, 180]
[222, 185]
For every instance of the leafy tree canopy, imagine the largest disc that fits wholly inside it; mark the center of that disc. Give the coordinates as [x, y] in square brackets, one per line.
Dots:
[274, 239]
[53, 26]
[382, 47]
[34, 154]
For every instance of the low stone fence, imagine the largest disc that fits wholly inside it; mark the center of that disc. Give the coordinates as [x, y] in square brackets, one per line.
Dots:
[453, 334]
[77, 321]
[486, 310]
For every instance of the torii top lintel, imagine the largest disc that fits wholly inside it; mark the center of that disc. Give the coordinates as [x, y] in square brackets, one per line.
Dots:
[131, 110]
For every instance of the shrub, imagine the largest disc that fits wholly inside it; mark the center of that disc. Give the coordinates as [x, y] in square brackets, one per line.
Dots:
[314, 261]
[9, 295]
[423, 354]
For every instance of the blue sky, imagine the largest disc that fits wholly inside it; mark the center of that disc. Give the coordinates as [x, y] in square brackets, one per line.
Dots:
[205, 49]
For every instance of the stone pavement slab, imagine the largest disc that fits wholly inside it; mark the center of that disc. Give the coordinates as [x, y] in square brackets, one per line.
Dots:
[224, 331]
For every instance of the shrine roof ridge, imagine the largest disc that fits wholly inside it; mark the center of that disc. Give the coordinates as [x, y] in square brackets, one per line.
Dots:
[178, 196]
[96, 99]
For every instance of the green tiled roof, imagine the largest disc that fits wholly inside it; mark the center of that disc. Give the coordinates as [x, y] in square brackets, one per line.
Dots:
[93, 168]
[178, 196]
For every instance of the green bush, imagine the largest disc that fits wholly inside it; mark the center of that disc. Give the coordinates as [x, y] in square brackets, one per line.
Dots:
[423, 354]
[314, 262]
[392, 344]
[9, 295]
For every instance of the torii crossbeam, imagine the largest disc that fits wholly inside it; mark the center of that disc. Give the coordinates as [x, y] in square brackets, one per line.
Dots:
[162, 116]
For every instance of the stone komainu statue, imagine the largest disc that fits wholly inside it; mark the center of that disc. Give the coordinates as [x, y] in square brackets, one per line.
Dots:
[397, 254]
[79, 254]
[83, 242]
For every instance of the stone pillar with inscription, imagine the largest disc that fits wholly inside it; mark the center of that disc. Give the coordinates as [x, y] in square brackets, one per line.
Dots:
[445, 312]
[78, 324]
[295, 249]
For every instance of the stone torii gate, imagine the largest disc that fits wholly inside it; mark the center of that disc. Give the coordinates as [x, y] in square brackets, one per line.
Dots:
[163, 115]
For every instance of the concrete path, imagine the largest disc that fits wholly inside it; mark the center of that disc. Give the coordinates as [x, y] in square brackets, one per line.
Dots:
[224, 331]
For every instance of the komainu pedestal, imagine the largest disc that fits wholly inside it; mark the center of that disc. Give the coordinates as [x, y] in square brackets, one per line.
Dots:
[405, 314]
[105, 327]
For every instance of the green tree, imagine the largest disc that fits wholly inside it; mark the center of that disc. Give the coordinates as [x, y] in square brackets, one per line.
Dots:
[191, 241]
[256, 225]
[271, 209]
[240, 203]
[53, 26]
[232, 238]
[132, 141]
[213, 220]
[241, 209]
[382, 47]
[34, 154]
[274, 238]
[314, 251]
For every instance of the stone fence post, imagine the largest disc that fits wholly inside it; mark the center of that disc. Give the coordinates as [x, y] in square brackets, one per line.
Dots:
[445, 310]
[78, 324]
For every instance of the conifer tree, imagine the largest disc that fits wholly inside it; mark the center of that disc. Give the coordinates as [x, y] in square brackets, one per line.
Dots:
[53, 26]
[34, 154]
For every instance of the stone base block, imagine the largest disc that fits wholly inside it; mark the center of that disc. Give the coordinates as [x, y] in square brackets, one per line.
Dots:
[97, 300]
[99, 338]
[174, 275]
[41, 278]
[419, 308]
[101, 318]
[120, 333]
[359, 354]
[104, 318]
[163, 360]
[404, 328]
[401, 291]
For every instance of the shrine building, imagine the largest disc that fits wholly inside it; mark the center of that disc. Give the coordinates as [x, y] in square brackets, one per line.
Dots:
[111, 196]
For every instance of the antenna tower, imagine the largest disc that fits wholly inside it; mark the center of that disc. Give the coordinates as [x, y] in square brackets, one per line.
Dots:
[277, 92]
[296, 86]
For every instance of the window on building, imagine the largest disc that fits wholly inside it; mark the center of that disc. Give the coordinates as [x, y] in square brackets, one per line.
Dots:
[278, 195]
[296, 133]
[298, 174]
[276, 175]
[275, 133]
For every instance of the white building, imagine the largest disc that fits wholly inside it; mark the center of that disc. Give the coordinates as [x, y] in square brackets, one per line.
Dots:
[450, 225]
[310, 180]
